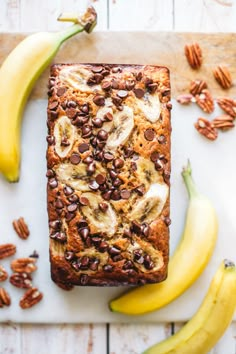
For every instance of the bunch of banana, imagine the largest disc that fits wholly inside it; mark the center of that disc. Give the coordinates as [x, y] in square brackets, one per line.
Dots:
[187, 263]
[209, 323]
[18, 75]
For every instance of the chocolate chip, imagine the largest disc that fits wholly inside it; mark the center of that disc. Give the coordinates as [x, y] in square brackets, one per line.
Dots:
[53, 114]
[125, 194]
[50, 173]
[139, 75]
[103, 247]
[106, 85]
[85, 108]
[100, 179]
[69, 255]
[72, 207]
[107, 195]
[86, 131]
[161, 139]
[98, 78]
[115, 195]
[99, 100]
[71, 104]
[138, 257]
[80, 121]
[53, 105]
[96, 240]
[116, 69]
[81, 224]
[71, 113]
[140, 190]
[65, 141]
[159, 165]
[149, 134]
[106, 71]
[83, 147]
[68, 190]
[83, 201]
[122, 93]
[102, 135]
[128, 152]
[61, 91]
[52, 183]
[148, 81]
[152, 87]
[55, 224]
[108, 117]
[97, 122]
[117, 101]
[88, 160]
[148, 263]
[118, 163]
[139, 92]
[59, 236]
[103, 206]
[167, 221]
[84, 262]
[97, 69]
[145, 228]
[127, 233]
[75, 264]
[94, 264]
[133, 166]
[93, 185]
[75, 159]
[108, 156]
[117, 182]
[113, 174]
[84, 278]
[98, 155]
[69, 216]
[108, 268]
[166, 176]
[128, 265]
[84, 232]
[91, 169]
[136, 227]
[154, 156]
[50, 139]
[169, 105]
[59, 204]
[129, 84]
[73, 198]
[117, 258]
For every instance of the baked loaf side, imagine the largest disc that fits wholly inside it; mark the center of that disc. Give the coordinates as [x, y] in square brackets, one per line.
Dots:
[108, 173]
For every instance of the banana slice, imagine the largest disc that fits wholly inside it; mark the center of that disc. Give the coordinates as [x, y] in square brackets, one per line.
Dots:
[77, 78]
[123, 123]
[64, 133]
[147, 173]
[149, 207]
[74, 176]
[151, 107]
[102, 221]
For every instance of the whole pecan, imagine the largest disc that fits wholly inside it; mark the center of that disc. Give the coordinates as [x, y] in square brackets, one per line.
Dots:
[193, 54]
[196, 87]
[205, 101]
[206, 128]
[5, 299]
[24, 265]
[21, 228]
[7, 250]
[185, 98]
[228, 105]
[30, 298]
[3, 274]
[223, 122]
[223, 76]
[21, 280]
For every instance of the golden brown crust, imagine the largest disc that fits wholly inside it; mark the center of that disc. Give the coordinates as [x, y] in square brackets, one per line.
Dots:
[108, 219]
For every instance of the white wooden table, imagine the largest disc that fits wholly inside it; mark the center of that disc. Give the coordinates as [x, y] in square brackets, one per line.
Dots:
[118, 15]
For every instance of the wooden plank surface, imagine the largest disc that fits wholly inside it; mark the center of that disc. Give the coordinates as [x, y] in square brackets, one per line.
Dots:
[180, 15]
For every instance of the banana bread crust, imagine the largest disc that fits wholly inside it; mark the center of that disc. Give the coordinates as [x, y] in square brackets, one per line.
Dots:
[108, 169]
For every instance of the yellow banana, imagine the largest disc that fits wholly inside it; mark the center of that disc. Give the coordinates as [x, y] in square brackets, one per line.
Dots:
[209, 323]
[18, 75]
[187, 263]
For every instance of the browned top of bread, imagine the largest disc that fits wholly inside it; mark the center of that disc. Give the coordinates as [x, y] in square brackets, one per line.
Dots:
[108, 173]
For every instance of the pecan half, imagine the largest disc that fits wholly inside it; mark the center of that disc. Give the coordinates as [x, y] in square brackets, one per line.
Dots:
[223, 76]
[7, 250]
[21, 280]
[30, 298]
[193, 54]
[5, 299]
[206, 128]
[24, 265]
[21, 228]
[185, 98]
[223, 122]
[228, 105]
[197, 86]
[3, 274]
[205, 101]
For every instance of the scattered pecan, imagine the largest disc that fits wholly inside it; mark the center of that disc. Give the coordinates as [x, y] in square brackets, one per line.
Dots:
[197, 86]
[3, 274]
[5, 299]
[193, 54]
[21, 228]
[206, 128]
[186, 98]
[223, 76]
[7, 250]
[23, 265]
[21, 280]
[224, 122]
[30, 298]
[228, 105]
[205, 101]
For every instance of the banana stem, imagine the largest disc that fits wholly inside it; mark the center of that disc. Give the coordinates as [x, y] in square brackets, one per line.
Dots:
[69, 32]
[190, 185]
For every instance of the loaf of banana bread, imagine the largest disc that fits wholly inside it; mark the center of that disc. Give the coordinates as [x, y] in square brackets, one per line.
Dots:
[108, 161]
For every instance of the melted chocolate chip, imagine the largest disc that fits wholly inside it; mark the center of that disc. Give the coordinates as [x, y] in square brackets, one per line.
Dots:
[61, 91]
[83, 201]
[139, 92]
[125, 194]
[71, 113]
[75, 159]
[149, 134]
[68, 190]
[99, 100]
